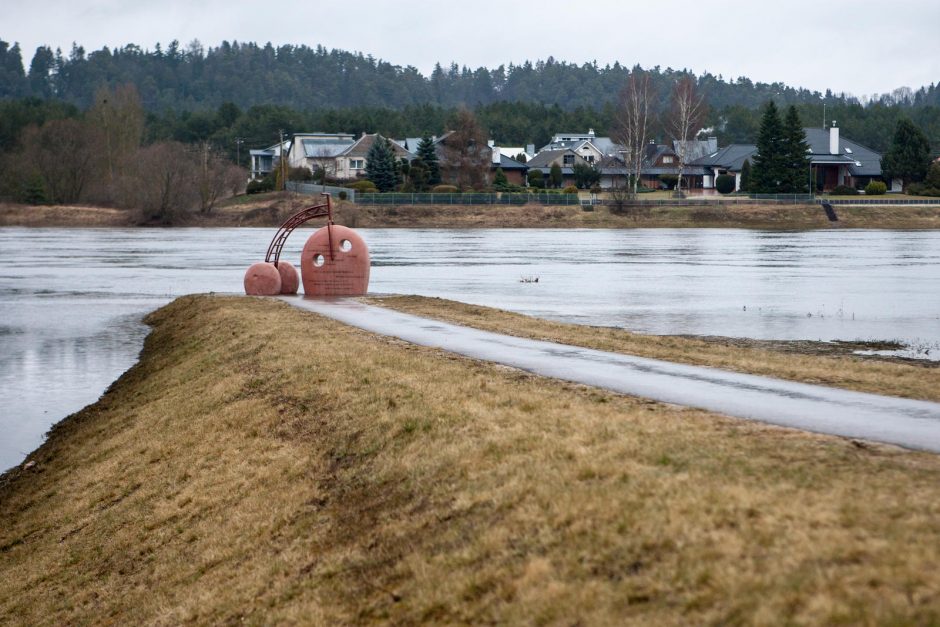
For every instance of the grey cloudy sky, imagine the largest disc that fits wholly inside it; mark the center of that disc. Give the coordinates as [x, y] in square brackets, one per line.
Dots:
[857, 46]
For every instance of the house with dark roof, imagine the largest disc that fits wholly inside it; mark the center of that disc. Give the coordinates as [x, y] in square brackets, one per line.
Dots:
[515, 171]
[566, 158]
[834, 161]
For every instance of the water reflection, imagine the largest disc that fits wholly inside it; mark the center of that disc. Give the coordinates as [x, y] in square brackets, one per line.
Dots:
[71, 300]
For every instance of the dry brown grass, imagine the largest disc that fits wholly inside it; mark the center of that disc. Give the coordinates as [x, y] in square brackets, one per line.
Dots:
[273, 208]
[866, 374]
[64, 216]
[264, 465]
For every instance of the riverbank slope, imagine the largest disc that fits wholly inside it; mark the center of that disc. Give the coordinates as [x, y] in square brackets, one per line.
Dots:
[270, 210]
[261, 464]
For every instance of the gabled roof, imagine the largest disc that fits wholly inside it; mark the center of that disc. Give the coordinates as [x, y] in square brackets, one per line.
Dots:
[545, 158]
[324, 147]
[510, 164]
[862, 160]
[360, 148]
[731, 157]
[411, 143]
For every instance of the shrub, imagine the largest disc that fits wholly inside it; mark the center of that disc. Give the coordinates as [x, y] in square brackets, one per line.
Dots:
[445, 189]
[843, 190]
[571, 189]
[724, 183]
[536, 178]
[343, 195]
[917, 189]
[876, 188]
[360, 185]
[669, 180]
[263, 185]
[933, 175]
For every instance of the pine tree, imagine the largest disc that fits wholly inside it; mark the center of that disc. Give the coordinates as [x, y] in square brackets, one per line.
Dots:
[380, 164]
[796, 179]
[909, 155]
[428, 155]
[554, 175]
[746, 175]
[769, 171]
[499, 179]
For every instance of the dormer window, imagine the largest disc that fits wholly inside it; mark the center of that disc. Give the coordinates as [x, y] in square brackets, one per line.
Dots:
[667, 159]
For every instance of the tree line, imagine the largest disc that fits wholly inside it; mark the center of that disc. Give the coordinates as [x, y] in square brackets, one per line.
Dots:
[100, 157]
[313, 88]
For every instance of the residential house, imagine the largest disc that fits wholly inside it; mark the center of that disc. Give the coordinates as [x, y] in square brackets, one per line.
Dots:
[264, 160]
[318, 151]
[351, 162]
[565, 158]
[834, 161]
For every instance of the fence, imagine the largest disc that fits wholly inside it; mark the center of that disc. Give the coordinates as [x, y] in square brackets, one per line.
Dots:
[554, 199]
[467, 199]
[314, 189]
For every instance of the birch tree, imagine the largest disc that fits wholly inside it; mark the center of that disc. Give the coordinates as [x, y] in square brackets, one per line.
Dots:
[633, 118]
[685, 118]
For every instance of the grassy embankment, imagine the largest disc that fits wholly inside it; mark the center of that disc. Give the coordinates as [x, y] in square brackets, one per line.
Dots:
[261, 464]
[272, 209]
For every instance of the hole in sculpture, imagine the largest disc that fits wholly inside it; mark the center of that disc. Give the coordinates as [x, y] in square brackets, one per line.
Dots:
[345, 245]
[319, 260]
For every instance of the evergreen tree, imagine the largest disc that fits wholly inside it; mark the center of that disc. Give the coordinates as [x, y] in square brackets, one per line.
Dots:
[428, 155]
[909, 155]
[380, 164]
[770, 163]
[746, 175]
[418, 173]
[499, 179]
[554, 175]
[796, 179]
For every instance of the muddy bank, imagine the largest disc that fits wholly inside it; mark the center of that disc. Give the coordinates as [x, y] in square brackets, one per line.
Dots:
[270, 210]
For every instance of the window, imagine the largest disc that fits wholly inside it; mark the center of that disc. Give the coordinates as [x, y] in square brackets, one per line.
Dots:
[667, 159]
[569, 160]
[357, 164]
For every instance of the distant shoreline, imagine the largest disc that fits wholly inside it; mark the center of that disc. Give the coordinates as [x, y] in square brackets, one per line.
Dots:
[271, 210]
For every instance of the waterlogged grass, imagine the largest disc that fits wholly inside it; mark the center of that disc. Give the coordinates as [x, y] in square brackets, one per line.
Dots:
[264, 465]
[810, 362]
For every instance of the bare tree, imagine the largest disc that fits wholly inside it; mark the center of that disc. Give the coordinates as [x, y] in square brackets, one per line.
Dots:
[466, 155]
[166, 186]
[685, 118]
[60, 153]
[212, 177]
[117, 122]
[633, 118]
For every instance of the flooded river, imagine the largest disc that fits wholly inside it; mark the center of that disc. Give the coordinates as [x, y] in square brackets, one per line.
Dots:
[71, 300]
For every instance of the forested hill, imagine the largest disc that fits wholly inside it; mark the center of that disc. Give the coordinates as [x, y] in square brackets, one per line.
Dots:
[304, 78]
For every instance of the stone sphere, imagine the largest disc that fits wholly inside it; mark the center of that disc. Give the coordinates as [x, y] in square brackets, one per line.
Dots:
[262, 279]
[335, 262]
[290, 278]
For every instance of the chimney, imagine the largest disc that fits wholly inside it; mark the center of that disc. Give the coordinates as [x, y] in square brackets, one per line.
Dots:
[590, 132]
[530, 149]
[491, 142]
[834, 139]
[496, 158]
[712, 145]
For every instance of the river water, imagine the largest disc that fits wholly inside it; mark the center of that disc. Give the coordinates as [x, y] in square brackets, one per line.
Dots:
[71, 300]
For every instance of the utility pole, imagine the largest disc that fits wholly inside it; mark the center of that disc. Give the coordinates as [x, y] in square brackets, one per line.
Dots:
[238, 150]
[283, 160]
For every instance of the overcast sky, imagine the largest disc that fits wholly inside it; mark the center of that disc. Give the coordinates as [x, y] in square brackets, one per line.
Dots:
[859, 46]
